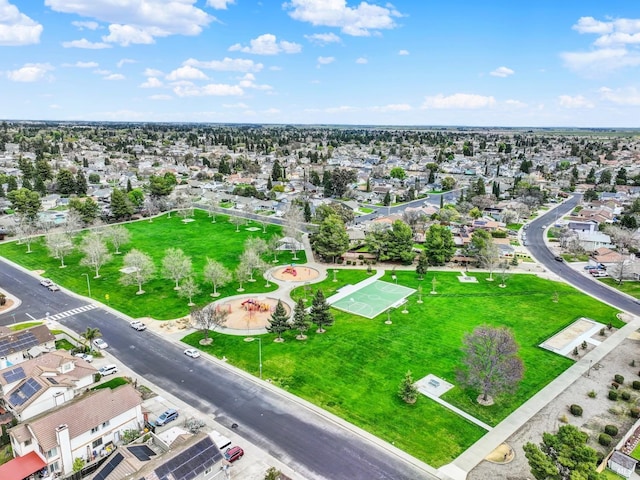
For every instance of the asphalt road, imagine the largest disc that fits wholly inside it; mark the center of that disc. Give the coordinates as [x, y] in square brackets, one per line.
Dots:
[308, 442]
[581, 280]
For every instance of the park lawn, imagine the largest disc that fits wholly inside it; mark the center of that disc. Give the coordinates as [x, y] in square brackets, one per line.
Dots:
[355, 368]
[199, 239]
[328, 286]
[628, 286]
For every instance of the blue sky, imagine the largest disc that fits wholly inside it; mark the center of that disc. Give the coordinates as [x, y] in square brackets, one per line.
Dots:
[410, 62]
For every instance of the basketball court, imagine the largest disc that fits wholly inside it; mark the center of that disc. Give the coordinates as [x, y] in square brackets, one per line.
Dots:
[372, 299]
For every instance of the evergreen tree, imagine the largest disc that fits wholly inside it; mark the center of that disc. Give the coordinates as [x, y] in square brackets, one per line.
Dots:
[407, 390]
[279, 322]
[423, 265]
[387, 199]
[326, 183]
[300, 319]
[320, 314]
[26, 184]
[269, 184]
[307, 212]
[2, 192]
[120, 205]
[66, 182]
[129, 187]
[276, 171]
[39, 186]
[12, 183]
[314, 178]
[332, 239]
[81, 184]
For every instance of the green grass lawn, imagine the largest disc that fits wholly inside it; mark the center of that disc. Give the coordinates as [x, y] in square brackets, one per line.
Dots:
[514, 226]
[355, 368]
[64, 344]
[365, 210]
[113, 383]
[5, 454]
[328, 286]
[24, 326]
[199, 239]
[629, 287]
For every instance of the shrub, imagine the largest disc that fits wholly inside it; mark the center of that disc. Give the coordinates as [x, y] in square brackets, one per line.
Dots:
[613, 395]
[564, 419]
[575, 351]
[619, 379]
[584, 345]
[633, 363]
[634, 412]
[626, 396]
[609, 326]
[592, 394]
[576, 410]
[611, 430]
[360, 257]
[602, 332]
[614, 385]
[604, 439]
[636, 384]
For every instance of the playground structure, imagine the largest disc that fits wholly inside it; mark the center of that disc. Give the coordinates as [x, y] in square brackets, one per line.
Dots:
[296, 273]
[252, 305]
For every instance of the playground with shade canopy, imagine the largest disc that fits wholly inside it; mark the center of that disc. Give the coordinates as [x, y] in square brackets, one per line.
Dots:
[249, 312]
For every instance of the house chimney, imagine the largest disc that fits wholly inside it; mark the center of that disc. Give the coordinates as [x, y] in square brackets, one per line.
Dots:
[64, 444]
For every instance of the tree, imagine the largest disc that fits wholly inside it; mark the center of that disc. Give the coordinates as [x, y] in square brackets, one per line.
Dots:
[189, 289]
[486, 251]
[397, 243]
[292, 221]
[398, 172]
[320, 314]
[386, 201]
[590, 195]
[407, 390]
[626, 240]
[26, 230]
[176, 266]
[340, 180]
[136, 197]
[423, 265]
[276, 171]
[66, 182]
[331, 240]
[242, 275]
[591, 176]
[118, 235]
[120, 205]
[59, 245]
[89, 335]
[300, 319]
[216, 274]
[491, 362]
[272, 474]
[439, 245]
[25, 202]
[209, 318]
[81, 184]
[307, 212]
[162, 186]
[86, 208]
[448, 183]
[279, 322]
[563, 456]
[139, 267]
[96, 252]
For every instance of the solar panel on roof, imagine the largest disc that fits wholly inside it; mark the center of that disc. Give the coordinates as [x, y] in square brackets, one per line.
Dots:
[24, 392]
[18, 342]
[109, 467]
[14, 375]
[141, 452]
[190, 463]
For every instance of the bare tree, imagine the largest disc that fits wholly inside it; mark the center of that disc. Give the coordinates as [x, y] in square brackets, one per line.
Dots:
[117, 235]
[189, 289]
[26, 231]
[183, 205]
[292, 220]
[491, 362]
[489, 257]
[237, 221]
[96, 252]
[152, 207]
[216, 274]
[60, 245]
[208, 319]
[176, 266]
[624, 239]
[252, 256]
[274, 244]
[73, 223]
[139, 269]
[242, 275]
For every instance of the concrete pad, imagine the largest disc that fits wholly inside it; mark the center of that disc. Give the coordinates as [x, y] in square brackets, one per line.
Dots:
[433, 386]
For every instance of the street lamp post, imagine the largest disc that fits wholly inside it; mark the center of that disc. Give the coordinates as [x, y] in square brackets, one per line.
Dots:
[251, 339]
[88, 284]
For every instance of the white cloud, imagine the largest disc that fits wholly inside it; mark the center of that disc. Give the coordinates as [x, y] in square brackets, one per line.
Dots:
[226, 65]
[326, 60]
[186, 73]
[464, 101]
[340, 109]
[212, 89]
[394, 107]
[54, 106]
[152, 72]
[362, 60]
[85, 25]
[114, 76]
[604, 59]
[152, 82]
[124, 61]
[591, 25]
[267, 44]
[16, 28]
[515, 103]
[30, 72]
[567, 101]
[160, 97]
[238, 105]
[272, 111]
[356, 21]
[82, 64]
[323, 38]
[139, 21]
[403, 52]
[628, 97]
[502, 72]
[248, 81]
[84, 43]
[220, 4]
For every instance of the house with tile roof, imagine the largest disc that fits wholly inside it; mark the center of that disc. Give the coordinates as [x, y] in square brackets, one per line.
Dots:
[43, 383]
[87, 427]
[18, 346]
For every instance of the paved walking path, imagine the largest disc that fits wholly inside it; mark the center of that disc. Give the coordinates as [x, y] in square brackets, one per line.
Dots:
[458, 469]
[462, 413]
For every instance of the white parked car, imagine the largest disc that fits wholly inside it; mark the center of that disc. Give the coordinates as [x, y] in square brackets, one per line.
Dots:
[138, 325]
[85, 356]
[100, 343]
[45, 282]
[53, 287]
[192, 352]
[108, 370]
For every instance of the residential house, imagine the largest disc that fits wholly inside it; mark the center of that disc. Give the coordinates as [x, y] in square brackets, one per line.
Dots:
[86, 428]
[43, 383]
[622, 464]
[593, 240]
[18, 346]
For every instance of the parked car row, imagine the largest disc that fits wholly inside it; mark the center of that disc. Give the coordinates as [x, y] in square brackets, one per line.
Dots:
[45, 282]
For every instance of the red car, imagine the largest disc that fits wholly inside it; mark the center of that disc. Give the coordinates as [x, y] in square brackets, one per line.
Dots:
[232, 454]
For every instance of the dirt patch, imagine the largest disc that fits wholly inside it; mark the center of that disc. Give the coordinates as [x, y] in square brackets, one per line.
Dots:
[7, 305]
[295, 274]
[249, 312]
[590, 392]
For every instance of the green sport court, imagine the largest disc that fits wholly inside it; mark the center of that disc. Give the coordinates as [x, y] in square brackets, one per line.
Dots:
[370, 300]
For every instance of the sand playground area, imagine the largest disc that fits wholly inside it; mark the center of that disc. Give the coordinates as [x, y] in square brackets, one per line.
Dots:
[295, 273]
[250, 311]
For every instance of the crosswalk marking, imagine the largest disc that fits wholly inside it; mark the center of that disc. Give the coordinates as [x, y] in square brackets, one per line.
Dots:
[71, 312]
